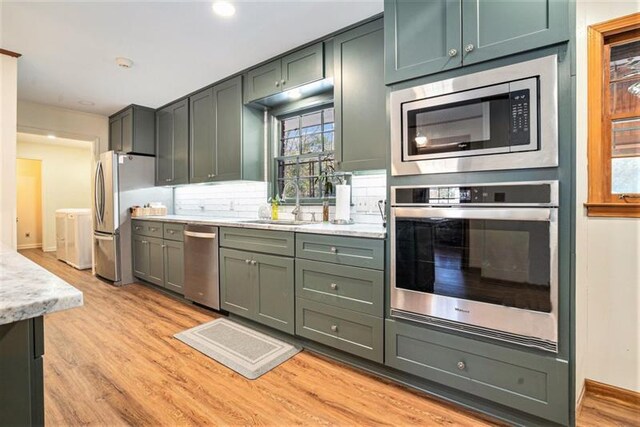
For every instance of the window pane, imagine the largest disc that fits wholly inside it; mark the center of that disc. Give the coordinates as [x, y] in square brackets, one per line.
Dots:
[312, 143]
[624, 76]
[290, 147]
[328, 118]
[328, 141]
[290, 127]
[287, 169]
[625, 138]
[311, 123]
[625, 175]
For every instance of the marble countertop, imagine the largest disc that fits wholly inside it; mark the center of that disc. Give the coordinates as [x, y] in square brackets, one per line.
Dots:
[372, 231]
[28, 290]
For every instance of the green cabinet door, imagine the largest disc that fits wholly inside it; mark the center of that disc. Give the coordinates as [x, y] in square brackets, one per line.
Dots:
[360, 98]
[126, 119]
[236, 287]
[174, 266]
[202, 137]
[303, 66]
[156, 261]
[115, 134]
[140, 256]
[228, 107]
[274, 290]
[498, 28]
[172, 144]
[422, 37]
[264, 81]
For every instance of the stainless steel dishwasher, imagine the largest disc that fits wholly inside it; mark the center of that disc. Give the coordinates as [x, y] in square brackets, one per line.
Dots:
[201, 282]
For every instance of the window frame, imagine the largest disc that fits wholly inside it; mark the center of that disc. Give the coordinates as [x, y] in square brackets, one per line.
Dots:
[600, 37]
[321, 156]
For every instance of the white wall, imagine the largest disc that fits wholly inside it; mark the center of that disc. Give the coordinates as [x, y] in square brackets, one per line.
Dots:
[66, 181]
[607, 250]
[8, 96]
[45, 119]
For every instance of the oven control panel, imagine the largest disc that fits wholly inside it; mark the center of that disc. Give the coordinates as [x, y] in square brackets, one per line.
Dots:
[544, 193]
[519, 126]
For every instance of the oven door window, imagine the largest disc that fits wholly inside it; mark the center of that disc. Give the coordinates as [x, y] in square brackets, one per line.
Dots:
[492, 261]
[459, 128]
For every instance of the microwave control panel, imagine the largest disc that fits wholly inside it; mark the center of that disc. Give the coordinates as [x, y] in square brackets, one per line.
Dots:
[520, 108]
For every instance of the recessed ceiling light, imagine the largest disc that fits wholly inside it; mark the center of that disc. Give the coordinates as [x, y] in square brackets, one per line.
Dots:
[294, 94]
[51, 136]
[124, 62]
[87, 103]
[224, 8]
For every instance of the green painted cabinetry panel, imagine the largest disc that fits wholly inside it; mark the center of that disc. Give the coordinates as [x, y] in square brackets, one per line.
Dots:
[492, 29]
[227, 98]
[202, 142]
[273, 277]
[518, 379]
[296, 69]
[133, 131]
[421, 37]
[361, 136]
[258, 287]
[236, 288]
[173, 231]
[268, 241]
[355, 251]
[156, 261]
[140, 252]
[352, 288]
[430, 36]
[346, 330]
[172, 144]
[174, 266]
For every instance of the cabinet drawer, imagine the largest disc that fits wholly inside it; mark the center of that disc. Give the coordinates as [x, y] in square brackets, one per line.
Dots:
[368, 253]
[267, 241]
[525, 381]
[346, 330]
[353, 288]
[174, 232]
[147, 228]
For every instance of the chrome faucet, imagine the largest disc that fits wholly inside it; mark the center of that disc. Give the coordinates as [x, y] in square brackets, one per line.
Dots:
[296, 212]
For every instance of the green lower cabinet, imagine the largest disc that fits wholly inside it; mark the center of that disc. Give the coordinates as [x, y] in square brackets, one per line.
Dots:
[259, 287]
[346, 330]
[521, 380]
[174, 266]
[236, 289]
[156, 261]
[140, 253]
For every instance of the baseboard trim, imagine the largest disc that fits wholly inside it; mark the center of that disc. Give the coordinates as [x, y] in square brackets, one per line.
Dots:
[30, 246]
[583, 391]
[51, 249]
[606, 390]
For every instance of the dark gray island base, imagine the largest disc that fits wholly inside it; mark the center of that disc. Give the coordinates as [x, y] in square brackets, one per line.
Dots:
[21, 373]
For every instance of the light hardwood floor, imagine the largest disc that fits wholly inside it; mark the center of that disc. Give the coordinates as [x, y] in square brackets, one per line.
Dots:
[114, 361]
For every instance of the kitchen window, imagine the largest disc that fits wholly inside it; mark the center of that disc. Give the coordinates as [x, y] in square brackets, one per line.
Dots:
[614, 118]
[305, 151]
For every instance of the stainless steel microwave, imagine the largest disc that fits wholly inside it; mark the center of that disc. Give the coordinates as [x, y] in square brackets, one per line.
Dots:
[503, 118]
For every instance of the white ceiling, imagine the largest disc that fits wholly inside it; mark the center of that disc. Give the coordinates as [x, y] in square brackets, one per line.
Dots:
[69, 48]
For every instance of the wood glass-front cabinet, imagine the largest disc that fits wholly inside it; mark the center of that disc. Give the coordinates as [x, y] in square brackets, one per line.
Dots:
[172, 144]
[430, 36]
[360, 98]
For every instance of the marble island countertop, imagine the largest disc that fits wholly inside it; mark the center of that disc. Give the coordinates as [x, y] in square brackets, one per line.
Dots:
[372, 231]
[28, 290]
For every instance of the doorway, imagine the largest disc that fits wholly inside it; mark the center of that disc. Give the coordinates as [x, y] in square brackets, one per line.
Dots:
[29, 203]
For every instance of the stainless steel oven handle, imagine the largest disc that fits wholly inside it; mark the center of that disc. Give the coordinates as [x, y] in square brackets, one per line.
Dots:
[513, 214]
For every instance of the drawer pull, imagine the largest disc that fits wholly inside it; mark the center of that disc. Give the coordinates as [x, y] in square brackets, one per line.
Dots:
[254, 262]
[247, 261]
[334, 328]
[461, 365]
[334, 249]
[171, 232]
[334, 286]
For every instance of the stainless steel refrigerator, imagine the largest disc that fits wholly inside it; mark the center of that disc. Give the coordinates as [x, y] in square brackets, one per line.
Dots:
[121, 181]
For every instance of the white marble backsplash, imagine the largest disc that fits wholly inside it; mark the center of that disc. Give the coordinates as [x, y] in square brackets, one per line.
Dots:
[243, 199]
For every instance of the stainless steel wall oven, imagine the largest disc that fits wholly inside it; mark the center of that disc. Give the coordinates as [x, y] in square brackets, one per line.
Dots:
[503, 118]
[480, 258]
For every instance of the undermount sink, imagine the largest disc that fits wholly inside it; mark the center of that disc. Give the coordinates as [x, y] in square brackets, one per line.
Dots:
[276, 221]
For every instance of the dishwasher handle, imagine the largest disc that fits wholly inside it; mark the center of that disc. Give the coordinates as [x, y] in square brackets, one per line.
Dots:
[200, 235]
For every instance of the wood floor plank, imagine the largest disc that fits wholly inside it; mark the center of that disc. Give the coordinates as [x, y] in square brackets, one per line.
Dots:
[115, 362]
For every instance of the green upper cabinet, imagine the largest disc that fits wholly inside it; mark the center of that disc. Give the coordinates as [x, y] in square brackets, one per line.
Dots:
[429, 36]
[498, 28]
[421, 37]
[360, 98]
[133, 131]
[296, 69]
[172, 144]
[226, 138]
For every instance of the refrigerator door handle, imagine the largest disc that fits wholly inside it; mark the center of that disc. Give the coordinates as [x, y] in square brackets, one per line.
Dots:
[96, 196]
[98, 237]
[102, 193]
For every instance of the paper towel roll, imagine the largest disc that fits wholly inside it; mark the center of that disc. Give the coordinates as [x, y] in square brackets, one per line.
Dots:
[343, 202]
